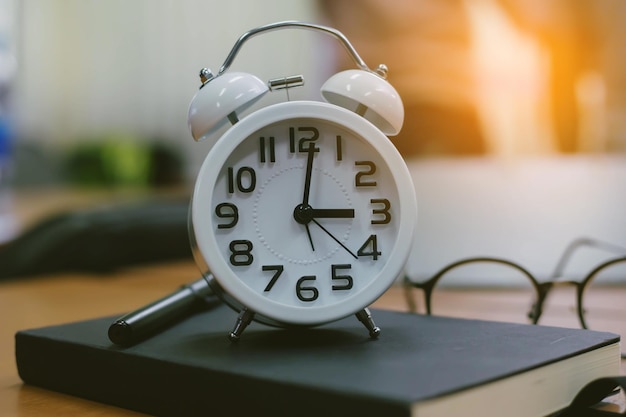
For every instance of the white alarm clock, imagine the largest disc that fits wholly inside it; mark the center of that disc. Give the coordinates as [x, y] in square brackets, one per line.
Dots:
[303, 212]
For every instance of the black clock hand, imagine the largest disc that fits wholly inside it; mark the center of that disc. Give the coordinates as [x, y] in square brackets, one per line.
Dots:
[332, 213]
[309, 171]
[307, 187]
[308, 233]
[305, 214]
[334, 238]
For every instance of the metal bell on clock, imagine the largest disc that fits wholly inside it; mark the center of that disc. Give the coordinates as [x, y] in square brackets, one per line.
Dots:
[219, 100]
[368, 94]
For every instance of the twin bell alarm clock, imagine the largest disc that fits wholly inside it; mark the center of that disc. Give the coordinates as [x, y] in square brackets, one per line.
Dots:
[303, 212]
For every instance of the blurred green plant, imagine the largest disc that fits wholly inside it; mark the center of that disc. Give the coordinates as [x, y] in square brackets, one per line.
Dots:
[122, 160]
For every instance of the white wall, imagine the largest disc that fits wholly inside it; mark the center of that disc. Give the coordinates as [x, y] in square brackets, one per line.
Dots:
[91, 68]
[526, 210]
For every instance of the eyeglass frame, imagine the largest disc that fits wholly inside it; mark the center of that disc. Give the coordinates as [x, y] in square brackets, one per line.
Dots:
[542, 289]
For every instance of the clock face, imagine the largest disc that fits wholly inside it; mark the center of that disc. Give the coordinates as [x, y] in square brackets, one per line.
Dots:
[304, 212]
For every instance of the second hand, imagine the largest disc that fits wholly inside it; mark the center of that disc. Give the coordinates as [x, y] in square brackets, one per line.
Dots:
[334, 238]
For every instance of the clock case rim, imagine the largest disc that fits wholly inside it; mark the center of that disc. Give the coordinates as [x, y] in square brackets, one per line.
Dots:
[212, 268]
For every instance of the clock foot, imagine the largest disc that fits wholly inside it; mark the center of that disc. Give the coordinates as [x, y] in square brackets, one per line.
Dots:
[365, 317]
[245, 317]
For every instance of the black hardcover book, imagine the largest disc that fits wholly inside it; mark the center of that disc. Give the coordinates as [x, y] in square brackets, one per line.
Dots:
[420, 365]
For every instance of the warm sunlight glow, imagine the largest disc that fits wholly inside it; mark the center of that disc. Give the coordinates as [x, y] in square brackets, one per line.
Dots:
[511, 70]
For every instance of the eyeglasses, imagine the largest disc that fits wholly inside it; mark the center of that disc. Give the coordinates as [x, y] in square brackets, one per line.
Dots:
[602, 290]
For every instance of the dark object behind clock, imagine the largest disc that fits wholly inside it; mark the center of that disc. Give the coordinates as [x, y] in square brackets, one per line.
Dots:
[101, 239]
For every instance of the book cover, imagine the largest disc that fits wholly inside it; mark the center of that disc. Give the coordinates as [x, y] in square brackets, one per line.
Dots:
[420, 365]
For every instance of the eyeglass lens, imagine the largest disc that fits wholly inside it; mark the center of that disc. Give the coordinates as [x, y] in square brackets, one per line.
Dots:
[604, 301]
[488, 291]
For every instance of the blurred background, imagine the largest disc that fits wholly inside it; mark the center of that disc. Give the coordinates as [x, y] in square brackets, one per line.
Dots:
[515, 127]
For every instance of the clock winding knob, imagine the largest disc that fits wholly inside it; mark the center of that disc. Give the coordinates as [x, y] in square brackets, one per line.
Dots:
[205, 76]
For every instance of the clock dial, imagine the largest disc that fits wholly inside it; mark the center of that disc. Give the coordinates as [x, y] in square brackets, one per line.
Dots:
[305, 214]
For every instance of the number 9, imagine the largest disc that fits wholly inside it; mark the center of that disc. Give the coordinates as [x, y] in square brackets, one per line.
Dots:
[227, 211]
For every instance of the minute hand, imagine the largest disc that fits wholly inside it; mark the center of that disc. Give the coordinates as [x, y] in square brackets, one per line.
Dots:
[332, 213]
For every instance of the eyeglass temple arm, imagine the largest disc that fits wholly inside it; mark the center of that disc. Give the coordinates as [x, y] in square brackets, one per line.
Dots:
[579, 243]
[406, 285]
[426, 287]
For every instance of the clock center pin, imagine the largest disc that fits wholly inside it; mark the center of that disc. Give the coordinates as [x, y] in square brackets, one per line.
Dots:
[303, 214]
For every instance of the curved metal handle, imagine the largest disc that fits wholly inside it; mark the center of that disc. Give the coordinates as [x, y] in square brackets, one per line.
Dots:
[295, 24]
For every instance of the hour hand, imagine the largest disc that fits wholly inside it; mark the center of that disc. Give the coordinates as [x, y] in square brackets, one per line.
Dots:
[332, 213]
[305, 214]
